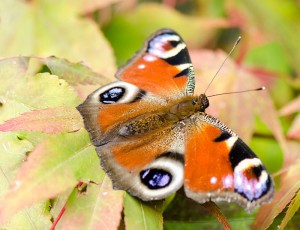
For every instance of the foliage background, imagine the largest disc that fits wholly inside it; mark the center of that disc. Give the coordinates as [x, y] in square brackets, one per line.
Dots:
[46, 160]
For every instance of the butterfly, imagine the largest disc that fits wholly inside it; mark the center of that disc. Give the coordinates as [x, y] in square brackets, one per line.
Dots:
[154, 137]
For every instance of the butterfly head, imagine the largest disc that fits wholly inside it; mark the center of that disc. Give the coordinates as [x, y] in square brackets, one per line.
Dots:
[202, 102]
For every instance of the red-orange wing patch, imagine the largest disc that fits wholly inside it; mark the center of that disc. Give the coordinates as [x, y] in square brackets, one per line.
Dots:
[148, 166]
[154, 75]
[207, 165]
[161, 67]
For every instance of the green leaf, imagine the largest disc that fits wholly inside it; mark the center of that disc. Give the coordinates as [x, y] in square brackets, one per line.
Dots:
[45, 29]
[149, 17]
[55, 165]
[269, 56]
[100, 207]
[33, 217]
[12, 154]
[32, 92]
[268, 149]
[89, 6]
[215, 210]
[141, 215]
[293, 208]
[280, 22]
[74, 73]
[57, 205]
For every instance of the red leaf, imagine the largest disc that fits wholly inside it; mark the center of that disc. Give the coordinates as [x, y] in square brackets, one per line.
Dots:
[291, 107]
[51, 120]
[294, 131]
[290, 185]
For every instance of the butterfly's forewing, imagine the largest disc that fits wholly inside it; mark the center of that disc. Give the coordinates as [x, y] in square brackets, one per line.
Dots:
[161, 70]
[230, 171]
[147, 164]
[163, 66]
[110, 107]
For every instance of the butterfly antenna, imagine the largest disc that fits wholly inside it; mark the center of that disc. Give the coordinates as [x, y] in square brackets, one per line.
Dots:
[242, 91]
[235, 44]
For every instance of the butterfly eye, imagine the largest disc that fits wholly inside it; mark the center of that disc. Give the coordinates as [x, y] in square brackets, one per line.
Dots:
[195, 101]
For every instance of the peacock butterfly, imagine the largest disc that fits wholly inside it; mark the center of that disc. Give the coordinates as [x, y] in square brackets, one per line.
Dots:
[153, 135]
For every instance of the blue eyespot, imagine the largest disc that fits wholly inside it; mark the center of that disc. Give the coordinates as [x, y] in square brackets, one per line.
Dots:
[155, 178]
[112, 95]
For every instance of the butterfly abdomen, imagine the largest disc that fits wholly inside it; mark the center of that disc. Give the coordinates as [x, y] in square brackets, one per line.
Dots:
[144, 124]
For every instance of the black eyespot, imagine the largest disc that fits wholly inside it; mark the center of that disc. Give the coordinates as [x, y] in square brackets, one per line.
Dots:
[257, 170]
[175, 43]
[112, 95]
[155, 178]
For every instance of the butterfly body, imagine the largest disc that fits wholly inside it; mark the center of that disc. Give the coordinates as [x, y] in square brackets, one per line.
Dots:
[174, 112]
[153, 135]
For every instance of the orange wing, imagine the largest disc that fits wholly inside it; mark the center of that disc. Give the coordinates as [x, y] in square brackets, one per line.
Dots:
[162, 67]
[149, 166]
[220, 166]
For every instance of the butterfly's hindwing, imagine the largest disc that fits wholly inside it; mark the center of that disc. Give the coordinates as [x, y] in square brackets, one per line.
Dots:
[150, 167]
[230, 171]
